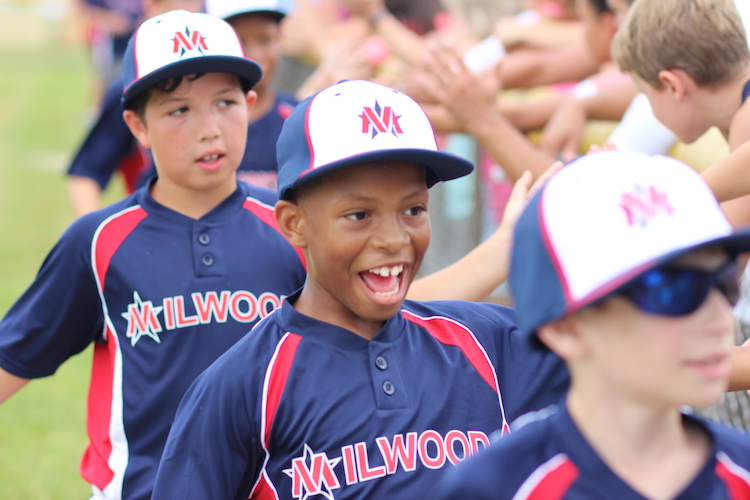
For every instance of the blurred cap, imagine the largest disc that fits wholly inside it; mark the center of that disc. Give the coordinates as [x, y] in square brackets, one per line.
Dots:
[602, 221]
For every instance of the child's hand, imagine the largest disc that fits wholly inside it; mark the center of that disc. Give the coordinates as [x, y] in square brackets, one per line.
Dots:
[564, 130]
[468, 97]
[522, 192]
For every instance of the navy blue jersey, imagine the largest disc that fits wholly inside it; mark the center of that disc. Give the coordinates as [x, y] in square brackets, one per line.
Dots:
[549, 459]
[322, 411]
[109, 145]
[259, 166]
[162, 296]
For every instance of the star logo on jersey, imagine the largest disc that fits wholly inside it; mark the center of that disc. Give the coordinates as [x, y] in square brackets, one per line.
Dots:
[643, 204]
[188, 41]
[142, 320]
[378, 120]
[312, 474]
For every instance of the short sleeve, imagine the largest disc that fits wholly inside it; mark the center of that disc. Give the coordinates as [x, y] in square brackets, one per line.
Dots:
[57, 316]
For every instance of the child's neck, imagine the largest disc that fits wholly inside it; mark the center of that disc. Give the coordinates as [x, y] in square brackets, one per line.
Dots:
[191, 203]
[264, 103]
[314, 301]
[721, 106]
[649, 448]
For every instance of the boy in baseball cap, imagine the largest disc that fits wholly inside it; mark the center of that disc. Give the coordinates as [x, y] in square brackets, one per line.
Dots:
[169, 278]
[354, 392]
[625, 266]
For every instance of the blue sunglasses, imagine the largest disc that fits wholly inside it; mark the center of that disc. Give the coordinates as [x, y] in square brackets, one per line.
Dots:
[678, 291]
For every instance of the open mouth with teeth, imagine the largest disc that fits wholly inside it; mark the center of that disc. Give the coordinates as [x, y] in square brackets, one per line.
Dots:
[384, 281]
[211, 161]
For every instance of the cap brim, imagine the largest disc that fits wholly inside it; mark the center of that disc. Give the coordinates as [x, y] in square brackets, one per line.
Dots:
[247, 70]
[439, 165]
[735, 243]
[277, 15]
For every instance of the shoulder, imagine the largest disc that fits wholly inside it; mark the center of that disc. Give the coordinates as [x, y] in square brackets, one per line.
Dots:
[472, 315]
[262, 197]
[499, 471]
[729, 443]
[86, 228]
[286, 99]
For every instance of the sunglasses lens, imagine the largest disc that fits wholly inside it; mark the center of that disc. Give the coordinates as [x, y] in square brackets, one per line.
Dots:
[680, 291]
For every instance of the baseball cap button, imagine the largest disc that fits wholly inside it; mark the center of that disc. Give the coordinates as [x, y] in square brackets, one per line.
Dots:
[381, 363]
[389, 388]
[208, 260]
[204, 239]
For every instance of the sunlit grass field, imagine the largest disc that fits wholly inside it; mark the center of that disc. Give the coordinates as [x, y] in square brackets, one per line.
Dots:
[44, 96]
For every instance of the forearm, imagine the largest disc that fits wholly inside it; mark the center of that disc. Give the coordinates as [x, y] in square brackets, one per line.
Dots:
[473, 277]
[550, 34]
[85, 194]
[403, 42]
[730, 177]
[441, 119]
[10, 384]
[510, 149]
[531, 114]
[739, 378]
[610, 104]
[532, 68]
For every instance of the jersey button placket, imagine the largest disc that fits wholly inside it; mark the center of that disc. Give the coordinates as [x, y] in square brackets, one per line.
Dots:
[207, 259]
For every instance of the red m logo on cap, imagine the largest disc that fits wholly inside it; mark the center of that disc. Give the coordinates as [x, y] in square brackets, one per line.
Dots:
[186, 42]
[380, 120]
[643, 204]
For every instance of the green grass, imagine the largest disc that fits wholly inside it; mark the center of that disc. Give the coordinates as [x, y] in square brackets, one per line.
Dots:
[43, 100]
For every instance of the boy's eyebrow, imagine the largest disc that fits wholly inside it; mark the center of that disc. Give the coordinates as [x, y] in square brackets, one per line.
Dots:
[170, 98]
[353, 196]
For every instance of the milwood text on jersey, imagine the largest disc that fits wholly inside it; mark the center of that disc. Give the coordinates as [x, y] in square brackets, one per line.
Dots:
[148, 319]
[315, 473]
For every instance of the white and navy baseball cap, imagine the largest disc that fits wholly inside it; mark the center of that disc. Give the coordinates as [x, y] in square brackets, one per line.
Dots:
[356, 122]
[181, 43]
[602, 221]
[227, 9]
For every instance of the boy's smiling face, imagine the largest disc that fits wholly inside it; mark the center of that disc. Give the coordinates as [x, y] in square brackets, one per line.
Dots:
[196, 133]
[365, 230]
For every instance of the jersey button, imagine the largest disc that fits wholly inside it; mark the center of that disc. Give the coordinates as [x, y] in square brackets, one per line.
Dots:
[389, 388]
[204, 239]
[208, 260]
[381, 363]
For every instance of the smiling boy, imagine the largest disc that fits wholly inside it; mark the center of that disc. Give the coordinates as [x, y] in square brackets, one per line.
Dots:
[354, 392]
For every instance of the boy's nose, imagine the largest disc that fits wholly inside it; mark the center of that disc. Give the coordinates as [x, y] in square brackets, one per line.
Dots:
[391, 235]
[209, 128]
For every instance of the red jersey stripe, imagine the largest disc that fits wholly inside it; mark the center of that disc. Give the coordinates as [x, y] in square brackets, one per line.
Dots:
[735, 478]
[278, 374]
[95, 466]
[550, 481]
[449, 332]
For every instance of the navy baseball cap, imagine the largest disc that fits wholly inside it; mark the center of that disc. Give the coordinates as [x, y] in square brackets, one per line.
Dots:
[181, 43]
[601, 222]
[356, 122]
[227, 9]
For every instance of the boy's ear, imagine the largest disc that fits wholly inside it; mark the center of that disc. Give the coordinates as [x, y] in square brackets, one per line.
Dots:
[252, 97]
[291, 220]
[676, 82]
[564, 339]
[137, 127]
